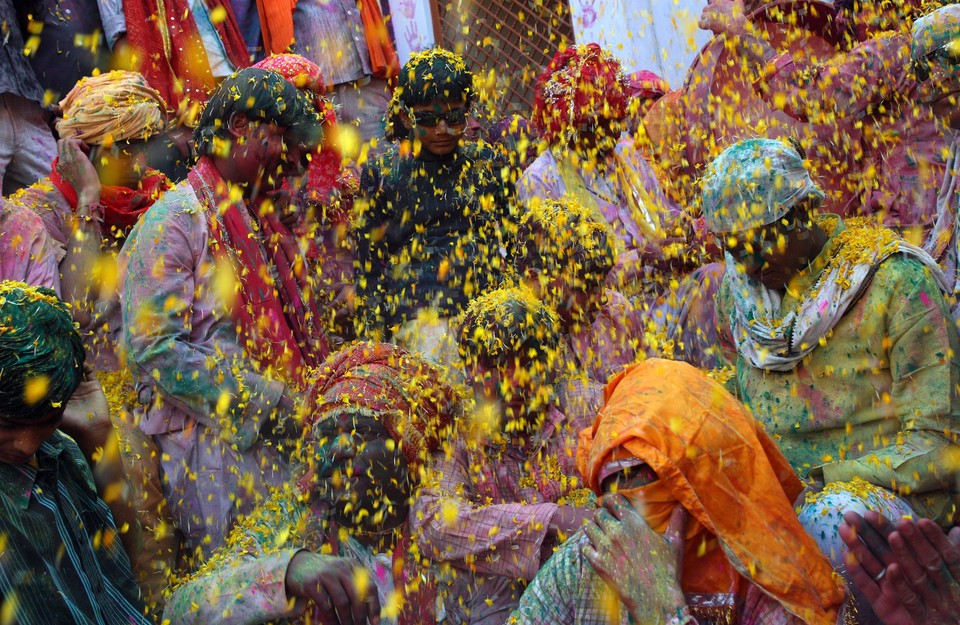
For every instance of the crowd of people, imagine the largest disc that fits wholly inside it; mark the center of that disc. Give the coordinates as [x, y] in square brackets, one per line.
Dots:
[291, 333]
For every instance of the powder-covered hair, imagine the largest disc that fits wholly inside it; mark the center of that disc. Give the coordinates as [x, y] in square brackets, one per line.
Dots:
[41, 353]
[260, 95]
[562, 237]
[507, 325]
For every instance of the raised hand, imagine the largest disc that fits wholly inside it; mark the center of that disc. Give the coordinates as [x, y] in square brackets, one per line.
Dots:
[724, 17]
[641, 566]
[75, 167]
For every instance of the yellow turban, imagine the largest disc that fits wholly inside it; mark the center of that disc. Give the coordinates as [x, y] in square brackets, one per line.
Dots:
[115, 106]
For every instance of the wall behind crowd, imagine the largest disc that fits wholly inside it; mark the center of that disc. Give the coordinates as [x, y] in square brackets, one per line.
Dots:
[657, 35]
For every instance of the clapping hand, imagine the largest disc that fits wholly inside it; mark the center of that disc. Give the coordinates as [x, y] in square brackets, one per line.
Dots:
[910, 574]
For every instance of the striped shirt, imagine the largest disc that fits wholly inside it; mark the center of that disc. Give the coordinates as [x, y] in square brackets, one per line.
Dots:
[61, 559]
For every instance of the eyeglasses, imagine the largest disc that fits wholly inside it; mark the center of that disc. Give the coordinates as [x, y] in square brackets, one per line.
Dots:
[947, 54]
[430, 119]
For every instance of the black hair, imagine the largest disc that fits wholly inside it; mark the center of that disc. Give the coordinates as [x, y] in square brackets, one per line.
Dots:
[507, 325]
[559, 236]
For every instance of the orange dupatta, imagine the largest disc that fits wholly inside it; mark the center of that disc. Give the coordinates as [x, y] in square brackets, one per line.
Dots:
[383, 57]
[276, 24]
[714, 459]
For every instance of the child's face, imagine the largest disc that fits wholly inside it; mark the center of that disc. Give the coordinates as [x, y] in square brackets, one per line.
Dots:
[438, 126]
[20, 439]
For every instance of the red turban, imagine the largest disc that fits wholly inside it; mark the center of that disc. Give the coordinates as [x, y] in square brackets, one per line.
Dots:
[305, 75]
[579, 85]
[325, 174]
[405, 393]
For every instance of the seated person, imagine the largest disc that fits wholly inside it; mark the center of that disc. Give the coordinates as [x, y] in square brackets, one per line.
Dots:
[843, 344]
[66, 555]
[318, 209]
[564, 255]
[378, 415]
[581, 109]
[433, 227]
[909, 572]
[669, 440]
[502, 495]
[98, 188]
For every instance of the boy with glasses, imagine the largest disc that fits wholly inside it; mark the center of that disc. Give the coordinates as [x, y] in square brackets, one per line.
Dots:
[437, 216]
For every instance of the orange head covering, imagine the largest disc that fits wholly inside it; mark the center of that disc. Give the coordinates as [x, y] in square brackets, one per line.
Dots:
[712, 458]
[405, 393]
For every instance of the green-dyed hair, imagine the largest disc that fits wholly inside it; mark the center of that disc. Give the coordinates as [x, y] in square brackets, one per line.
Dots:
[41, 354]
[558, 237]
[260, 95]
[434, 74]
[506, 325]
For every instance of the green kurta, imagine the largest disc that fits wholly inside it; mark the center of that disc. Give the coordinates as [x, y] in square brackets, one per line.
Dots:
[878, 398]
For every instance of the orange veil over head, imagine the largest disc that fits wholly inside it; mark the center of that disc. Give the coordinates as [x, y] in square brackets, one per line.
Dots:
[714, 459]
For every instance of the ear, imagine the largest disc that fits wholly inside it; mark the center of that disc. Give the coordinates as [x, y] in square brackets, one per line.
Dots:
[405, 120]
[239, 125]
